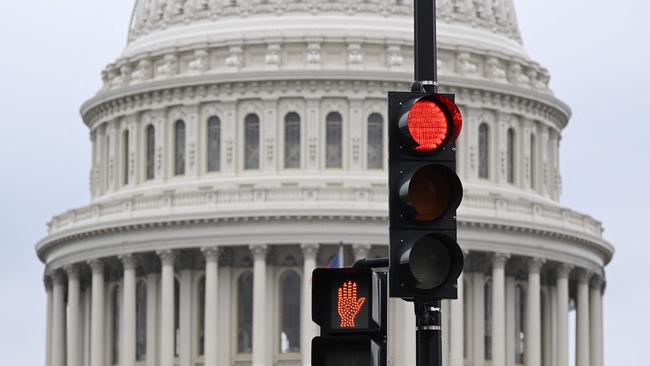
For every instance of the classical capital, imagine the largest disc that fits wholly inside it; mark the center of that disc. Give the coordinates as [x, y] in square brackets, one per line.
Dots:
[211, 253]
[535, 264]
[499, 260]
[259, 251]
[58, 277]
[47, 282]
[72, 270]
[309, 250]
[167, 257]
[361, 250]
[596, 281]
[96, 265]
[583, 275]
[129, 261]
[563, 270]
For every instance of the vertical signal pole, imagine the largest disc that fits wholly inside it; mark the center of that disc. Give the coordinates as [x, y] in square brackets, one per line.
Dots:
[428, 317]
[426, 73]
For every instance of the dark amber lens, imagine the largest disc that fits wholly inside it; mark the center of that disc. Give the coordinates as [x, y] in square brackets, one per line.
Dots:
[429, 193]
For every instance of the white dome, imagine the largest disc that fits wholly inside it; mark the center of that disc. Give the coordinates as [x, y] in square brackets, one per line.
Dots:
[257, 129]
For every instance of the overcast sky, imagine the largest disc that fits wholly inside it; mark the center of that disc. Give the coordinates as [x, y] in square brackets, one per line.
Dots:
[50, 61]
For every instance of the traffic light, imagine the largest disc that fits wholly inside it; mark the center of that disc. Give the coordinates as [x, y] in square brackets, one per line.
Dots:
[424, 193]
[349, 305]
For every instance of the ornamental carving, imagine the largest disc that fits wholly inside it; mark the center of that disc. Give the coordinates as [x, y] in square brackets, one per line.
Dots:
[200, 62]
[494, 70]
[355, 55]
[169, 66]
[394, 56]
[313, 54]
[273, 56]
[464, 64]
[143, 71]
[234, 59]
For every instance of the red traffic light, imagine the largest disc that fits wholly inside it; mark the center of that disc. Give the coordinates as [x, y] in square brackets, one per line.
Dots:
[429, 122]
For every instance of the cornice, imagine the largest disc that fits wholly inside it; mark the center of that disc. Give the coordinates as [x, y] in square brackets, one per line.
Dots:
[198, 90]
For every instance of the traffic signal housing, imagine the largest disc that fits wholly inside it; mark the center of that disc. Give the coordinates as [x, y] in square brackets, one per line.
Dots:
[424, 193]
[349, 305]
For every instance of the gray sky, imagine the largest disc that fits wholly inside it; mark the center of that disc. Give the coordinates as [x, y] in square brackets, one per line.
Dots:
[52, 53]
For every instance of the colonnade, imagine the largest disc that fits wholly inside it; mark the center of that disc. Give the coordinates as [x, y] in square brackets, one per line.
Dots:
[545, 320]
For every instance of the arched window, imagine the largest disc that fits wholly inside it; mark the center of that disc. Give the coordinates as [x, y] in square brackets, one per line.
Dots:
[177, 318]
[532, 161]
[519, 325]
[487, 318]
[510, 168]
[201, 315]
[375, 141]
[151, 152]
[292, 140]
[333, 140]
[290, 312]
[214, 144]
[251, 142]
[483, 151]
[179, 148]
[125, 157]
[141, 321]
[116, 309]
[245, 313]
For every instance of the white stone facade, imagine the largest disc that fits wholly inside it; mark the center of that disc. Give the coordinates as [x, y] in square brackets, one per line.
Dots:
[236, 143]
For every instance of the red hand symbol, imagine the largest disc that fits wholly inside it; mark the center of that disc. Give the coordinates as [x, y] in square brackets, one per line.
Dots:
[349, 305]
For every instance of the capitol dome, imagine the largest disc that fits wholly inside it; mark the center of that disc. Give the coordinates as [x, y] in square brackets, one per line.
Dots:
[236, 143]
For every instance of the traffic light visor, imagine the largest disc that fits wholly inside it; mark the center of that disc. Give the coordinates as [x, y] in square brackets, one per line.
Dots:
[430, 192]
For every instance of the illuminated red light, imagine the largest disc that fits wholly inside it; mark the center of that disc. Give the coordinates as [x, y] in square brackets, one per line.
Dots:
[348, 304]
[428, 125]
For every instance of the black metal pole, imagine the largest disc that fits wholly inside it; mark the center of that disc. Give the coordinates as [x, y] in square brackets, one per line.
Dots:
[426, 73]
[428, 343]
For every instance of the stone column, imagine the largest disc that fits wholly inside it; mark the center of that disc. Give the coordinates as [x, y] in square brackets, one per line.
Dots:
[185, 322]
[582, 319]
[596, 314]
[74, 312]
[456, 355]
[259, 304]
[58, 319]
[563, 315]
[360, 251]
[308, 329]
[211, 305]
[153, 278]
[128, 329]
[48, 325]
[97, 313]
[499, 309]
[167, 258]
[478, 315]
[534, 314]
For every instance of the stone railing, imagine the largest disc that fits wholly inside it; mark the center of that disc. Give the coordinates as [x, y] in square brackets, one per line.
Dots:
[322, 55]
[369, 202]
